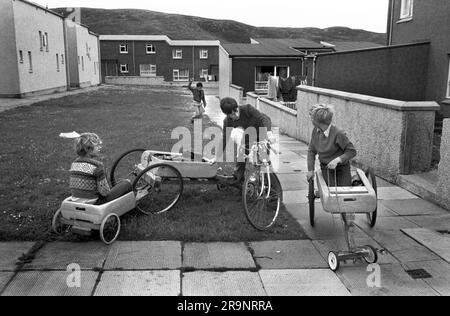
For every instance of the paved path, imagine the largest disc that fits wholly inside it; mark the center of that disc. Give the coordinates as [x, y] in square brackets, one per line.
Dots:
[413, 235]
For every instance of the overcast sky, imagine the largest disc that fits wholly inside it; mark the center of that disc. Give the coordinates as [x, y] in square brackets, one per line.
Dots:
[369, 15]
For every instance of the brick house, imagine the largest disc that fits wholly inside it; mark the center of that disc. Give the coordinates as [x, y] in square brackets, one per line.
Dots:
[159, 56]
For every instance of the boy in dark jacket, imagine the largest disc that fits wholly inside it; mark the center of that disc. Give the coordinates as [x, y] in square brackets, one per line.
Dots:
[199, 97]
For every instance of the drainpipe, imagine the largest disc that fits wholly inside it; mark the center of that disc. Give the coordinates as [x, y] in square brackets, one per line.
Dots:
[314, 71]
[390, 21]
[193, 62]
[66, 58]
[134, 61]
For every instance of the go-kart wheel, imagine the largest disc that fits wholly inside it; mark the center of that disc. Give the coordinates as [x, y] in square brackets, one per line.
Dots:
[57, 225]
[110, 228]
[333, 261]
[311, 201]
[158, 188]
[125, 166]
[372, 256]
[372, 217]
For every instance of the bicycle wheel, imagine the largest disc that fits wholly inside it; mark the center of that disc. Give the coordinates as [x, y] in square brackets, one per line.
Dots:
[125, 166]
[158, 188]
[261, 210]
[372, 217]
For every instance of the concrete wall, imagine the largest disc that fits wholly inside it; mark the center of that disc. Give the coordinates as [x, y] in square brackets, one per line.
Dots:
[9, 81]
[236, 93]
[225, 73]
[443, 187]
[47, 75]
[398, 73]
[393, 137]
[135, 80]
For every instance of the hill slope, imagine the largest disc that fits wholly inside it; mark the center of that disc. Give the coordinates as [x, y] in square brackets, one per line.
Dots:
[144, 22]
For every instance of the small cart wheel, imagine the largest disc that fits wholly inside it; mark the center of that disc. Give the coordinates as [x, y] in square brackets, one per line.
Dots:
[372, 256]
[110, 228]
[372, 217]
[57, 225]
[311, 200]
[333, 261]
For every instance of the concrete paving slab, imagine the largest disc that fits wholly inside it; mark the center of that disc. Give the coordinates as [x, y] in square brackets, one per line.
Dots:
[297, 196]
[394, 281]
[217, 256]
[231, 283]
[325, 246]
[51, 283]
[58, 255]
[139, 283]
[317, 282]
[10, 252]
[436, 242]
[4, 279]
[434, 222]
[293, 182]
[287, 254]
[440, 272]
[414, 207]
[387, 223]
[327, 228]
[144, 255]
[394, 193]
[300, 211]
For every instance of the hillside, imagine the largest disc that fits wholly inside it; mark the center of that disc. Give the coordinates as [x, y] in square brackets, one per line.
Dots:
[144, 22]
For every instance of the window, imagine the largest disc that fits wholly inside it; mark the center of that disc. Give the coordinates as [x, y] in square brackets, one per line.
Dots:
[204, 73]
[62, 59]
[20, 57]
[46, 42]
[124, 68]
[181, 75]
[150, 49]
[177, 54]
[82, 63]
[147, 70]
[406, 9]
[204, 54]
[41, 41]
[448, 81]
[123, 49]
[30, 60]
[57, 62]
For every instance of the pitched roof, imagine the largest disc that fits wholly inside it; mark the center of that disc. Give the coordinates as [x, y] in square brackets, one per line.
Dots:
[349, 46]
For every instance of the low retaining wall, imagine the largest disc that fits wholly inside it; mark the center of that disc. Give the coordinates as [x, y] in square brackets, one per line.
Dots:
[393, 137]
[134, 80]
[237, 93]
[443, 186]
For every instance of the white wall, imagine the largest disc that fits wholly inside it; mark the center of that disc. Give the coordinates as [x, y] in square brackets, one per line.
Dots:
[225, 75]
[9, 79]
[29, 20]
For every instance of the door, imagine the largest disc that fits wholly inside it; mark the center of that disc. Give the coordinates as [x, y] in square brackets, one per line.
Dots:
[110, 67]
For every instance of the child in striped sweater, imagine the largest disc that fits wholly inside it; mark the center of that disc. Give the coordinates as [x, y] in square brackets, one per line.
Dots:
[88, 175]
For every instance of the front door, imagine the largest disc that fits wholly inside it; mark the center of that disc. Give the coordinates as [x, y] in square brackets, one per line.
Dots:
[110, 67]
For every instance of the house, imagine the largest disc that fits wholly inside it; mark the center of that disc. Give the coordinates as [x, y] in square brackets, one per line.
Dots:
[159, 56]
[249, 65]
[83, 55]
[412, 21]
[33, 51]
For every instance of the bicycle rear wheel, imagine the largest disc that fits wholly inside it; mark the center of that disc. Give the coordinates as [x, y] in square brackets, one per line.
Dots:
[260, 208]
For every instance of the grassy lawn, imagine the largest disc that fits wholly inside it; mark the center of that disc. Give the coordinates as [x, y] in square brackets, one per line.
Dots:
[34, 164]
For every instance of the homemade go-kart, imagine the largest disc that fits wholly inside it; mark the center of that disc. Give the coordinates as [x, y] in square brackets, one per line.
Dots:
[157, 185]
[361, 198]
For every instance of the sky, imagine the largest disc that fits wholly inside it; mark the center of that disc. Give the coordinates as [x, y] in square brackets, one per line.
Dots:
[370, 15]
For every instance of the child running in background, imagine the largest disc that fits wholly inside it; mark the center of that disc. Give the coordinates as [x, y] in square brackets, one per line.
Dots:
[333, 147]
[88, 175]
[199, 97]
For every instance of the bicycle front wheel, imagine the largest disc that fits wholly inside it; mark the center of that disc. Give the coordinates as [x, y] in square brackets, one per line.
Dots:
[261, 199]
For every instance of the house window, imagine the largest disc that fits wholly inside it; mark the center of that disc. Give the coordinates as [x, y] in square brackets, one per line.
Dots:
[82, 63]
[204, 54]
[150, 49]
[181, 75]
[30, 60]
[124, 68]
[95, 68]
[20, 57]
[147, 70]
[41, 41]
[57, 62]
[177, 54]
[62, 59]
[204, 73]
[406, 9]
[123, 48]
[46, 42]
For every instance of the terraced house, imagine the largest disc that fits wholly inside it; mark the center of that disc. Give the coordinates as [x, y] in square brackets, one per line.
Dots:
[156, 58]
